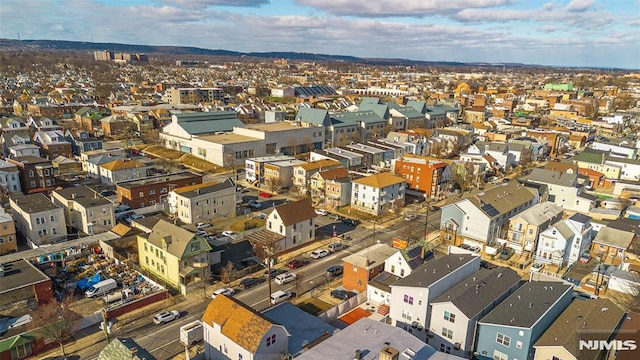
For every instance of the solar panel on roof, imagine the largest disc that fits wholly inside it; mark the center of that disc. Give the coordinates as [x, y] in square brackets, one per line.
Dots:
[489, 210]
[416, 251]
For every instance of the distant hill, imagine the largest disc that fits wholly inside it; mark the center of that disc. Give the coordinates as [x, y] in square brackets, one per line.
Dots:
[186, 50]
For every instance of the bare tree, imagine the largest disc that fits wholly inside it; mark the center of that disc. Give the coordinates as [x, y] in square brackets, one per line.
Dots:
[55, 321]
[227, 273]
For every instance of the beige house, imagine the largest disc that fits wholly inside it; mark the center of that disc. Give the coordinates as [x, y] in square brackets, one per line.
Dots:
[595, 319]
[295, 221]
[176, 255]
[38, 219]
[202, 202]
[233, 330]
[85, 209]
[321, 178]
[279, 174]
[302, 173]
[525, 227]
[8, 240]
[120, 170]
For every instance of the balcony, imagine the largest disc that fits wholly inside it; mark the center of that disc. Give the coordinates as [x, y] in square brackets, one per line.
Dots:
[200, 264]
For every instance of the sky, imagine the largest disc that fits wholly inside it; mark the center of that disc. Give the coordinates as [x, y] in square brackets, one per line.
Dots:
[597, 33]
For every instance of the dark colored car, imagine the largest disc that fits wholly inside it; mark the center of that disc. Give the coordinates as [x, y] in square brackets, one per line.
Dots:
[352, 222]
[487, 265]
[434, 208]
[342, 294]
[247, 283]
[296, 263]
[334, 271]
[274, 273]
[506, 253]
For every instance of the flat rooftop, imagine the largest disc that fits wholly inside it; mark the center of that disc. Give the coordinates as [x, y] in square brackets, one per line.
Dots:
[18, 274]
[228, 138]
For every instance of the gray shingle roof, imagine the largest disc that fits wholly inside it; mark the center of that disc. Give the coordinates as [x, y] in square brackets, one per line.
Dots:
[502, 198]
[527, 304]
[586, 317]
[479, 290]
[552, 177]
[433, 271]
[538, 214]
[614, 237]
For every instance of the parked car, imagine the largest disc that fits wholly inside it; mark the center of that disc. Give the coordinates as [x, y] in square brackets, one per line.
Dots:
[284, 278]
[506, 253]
[333, 247]
[322, 212]
[410, 217]
[296, 263]
[250, 282]
[231, 234]
[352, 222]
[320, 253]
[165, 317]
[202, 233]
[223, 291]
[585, 259]
[254, 204]
[264, 194]
[202, 225]
[487, 265]
[274, 273]
[334, 216]
[342, 294]
[335, 270]
[434, 208]
[475, 248]
[464, 246]
[536, 267]
[133, 217]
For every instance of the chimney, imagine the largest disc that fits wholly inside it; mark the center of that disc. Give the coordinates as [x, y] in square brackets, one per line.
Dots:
[73, 196]
[388, 353]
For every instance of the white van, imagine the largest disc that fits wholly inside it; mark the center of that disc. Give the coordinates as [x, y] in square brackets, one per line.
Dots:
[280, 296]
[101, 288]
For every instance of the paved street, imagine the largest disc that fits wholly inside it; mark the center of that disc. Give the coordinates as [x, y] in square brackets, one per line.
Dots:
[162, 341]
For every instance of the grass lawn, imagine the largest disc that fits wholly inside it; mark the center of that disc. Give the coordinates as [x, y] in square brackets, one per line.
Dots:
[246, 224]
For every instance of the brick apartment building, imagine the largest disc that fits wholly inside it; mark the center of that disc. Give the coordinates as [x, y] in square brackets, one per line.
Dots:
[36, 173]
[422, 173]
[154, 190]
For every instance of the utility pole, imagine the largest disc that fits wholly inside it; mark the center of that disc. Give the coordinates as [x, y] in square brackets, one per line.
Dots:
[269, 252]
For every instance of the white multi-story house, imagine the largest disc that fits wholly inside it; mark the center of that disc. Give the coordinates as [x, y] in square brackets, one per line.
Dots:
[480, 219]
[202, 202]
[566, 241]
[376, 194]
[629, 168]
[500, 152]
[233, 330]
[455, 314]
[85, 209]
[116, 171]
[565, 189]
[412, 296]
[38, 219]
[295, 222]
[525, 227]
[9, 177]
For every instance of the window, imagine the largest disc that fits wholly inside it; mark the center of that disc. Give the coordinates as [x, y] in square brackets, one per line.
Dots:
[239, 356]
[408, 299]
[407, 315]
[31, 173]
[54, 231]
[445, 349]
[1, 240]
[449, 316]
[518, 344]
[271, 340]
[447, 333]
[555, 358]
[503, 339]
[152, 192]
[21, 351]
[497, 355]
[10, 238]
[52, 218]
[141, 194]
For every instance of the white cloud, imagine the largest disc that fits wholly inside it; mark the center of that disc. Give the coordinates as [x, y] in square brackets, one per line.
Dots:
[580, 5]
[208, 3]
[406, 8]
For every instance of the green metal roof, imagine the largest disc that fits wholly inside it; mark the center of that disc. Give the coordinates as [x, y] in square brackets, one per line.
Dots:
[313, 116]
[367, 117]
[208, 122]
[592, 156]
[12, 342]
[382, 110]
